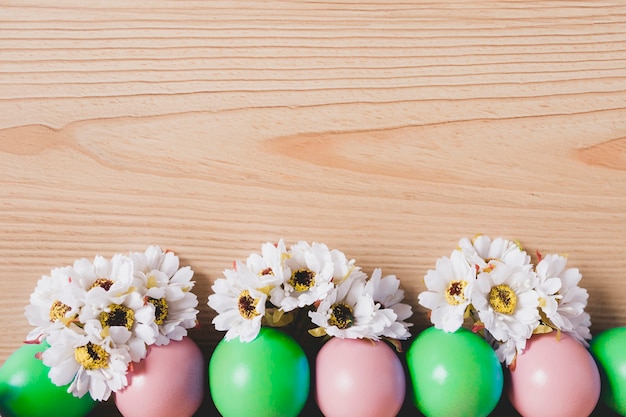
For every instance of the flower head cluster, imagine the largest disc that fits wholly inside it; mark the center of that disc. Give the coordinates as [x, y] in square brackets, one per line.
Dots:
[494, 283]
[100, 316]
[271, 288]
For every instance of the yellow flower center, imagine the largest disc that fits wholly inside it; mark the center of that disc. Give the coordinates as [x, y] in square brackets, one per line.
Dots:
[341, 316]
[503, 299]
[160, 309]
[117, 315]
[103, 283]
[455, 293]
[58, 310]
[302, 279]
[247, 305]
[152, 282]
[91, 357]
[266, 271]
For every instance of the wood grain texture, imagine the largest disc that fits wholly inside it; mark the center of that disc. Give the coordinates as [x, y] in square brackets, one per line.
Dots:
[385, 129]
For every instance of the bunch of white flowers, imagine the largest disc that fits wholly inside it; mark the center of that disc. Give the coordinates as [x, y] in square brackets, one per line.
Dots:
[100, 316]
[494, 283]
[269, 288]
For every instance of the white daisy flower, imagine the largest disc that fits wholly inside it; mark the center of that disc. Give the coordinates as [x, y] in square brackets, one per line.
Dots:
[564, 303]
[350, 312]
[506, 302]
[239, 302]
[482, 252]
[91, 360]
[344, 268]
[449, 287]
[105, 280]
[54, 304]
[270, 264]
[509, 299]
[548, 286]
[508, 350]
[580, 328]
[168, 288]
[386, 291]
[312, 269]
[113, 299]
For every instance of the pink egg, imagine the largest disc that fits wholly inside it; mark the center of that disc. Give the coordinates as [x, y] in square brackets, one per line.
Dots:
[359, 378]
[170, 381]
[554, 378]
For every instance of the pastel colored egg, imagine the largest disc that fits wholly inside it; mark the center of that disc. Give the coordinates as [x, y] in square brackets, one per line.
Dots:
[26, 390]
[356, 377]
[169, 381]
[559, 370]
[267, 377]
[454, 374]
[609, 350]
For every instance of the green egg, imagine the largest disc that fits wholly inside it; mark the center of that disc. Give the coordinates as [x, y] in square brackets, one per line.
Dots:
[609, 350]
[266, 377]
[26, 390]
[454, 374]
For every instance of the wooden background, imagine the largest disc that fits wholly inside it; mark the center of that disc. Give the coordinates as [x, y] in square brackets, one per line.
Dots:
[385, 129]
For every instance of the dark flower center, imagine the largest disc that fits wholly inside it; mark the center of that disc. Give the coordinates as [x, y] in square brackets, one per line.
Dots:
[503, 299]
[302, 279]
[160, 309]
[341, 316]
[247, 305]
[91, 356]
[58, 310]
[455, 293]
[266, 271]
[118, 315]
[103, 283]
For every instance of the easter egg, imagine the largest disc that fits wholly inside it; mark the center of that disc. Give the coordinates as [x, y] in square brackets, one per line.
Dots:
[454, 374]
[558, 369]
[26, 390]
[609, 350]
[169, 381]
[266, 377]
[359, 377]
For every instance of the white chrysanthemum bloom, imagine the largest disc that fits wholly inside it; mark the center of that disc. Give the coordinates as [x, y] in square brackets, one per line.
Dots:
[508, 350]
[386, 291]
[580, 328]
[483, 252]
[345, 268]
[270, 264]
[563, 304]
[113, 299]
[506, 302]
[312, 272]
[111, 279]
[54, 304]
[90, 360]
[350, 312]
[548, 287]
[168, 288]
[449, 288]
[240, 303]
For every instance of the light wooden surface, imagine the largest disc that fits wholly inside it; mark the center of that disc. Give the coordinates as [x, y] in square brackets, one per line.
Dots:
[387, 130]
